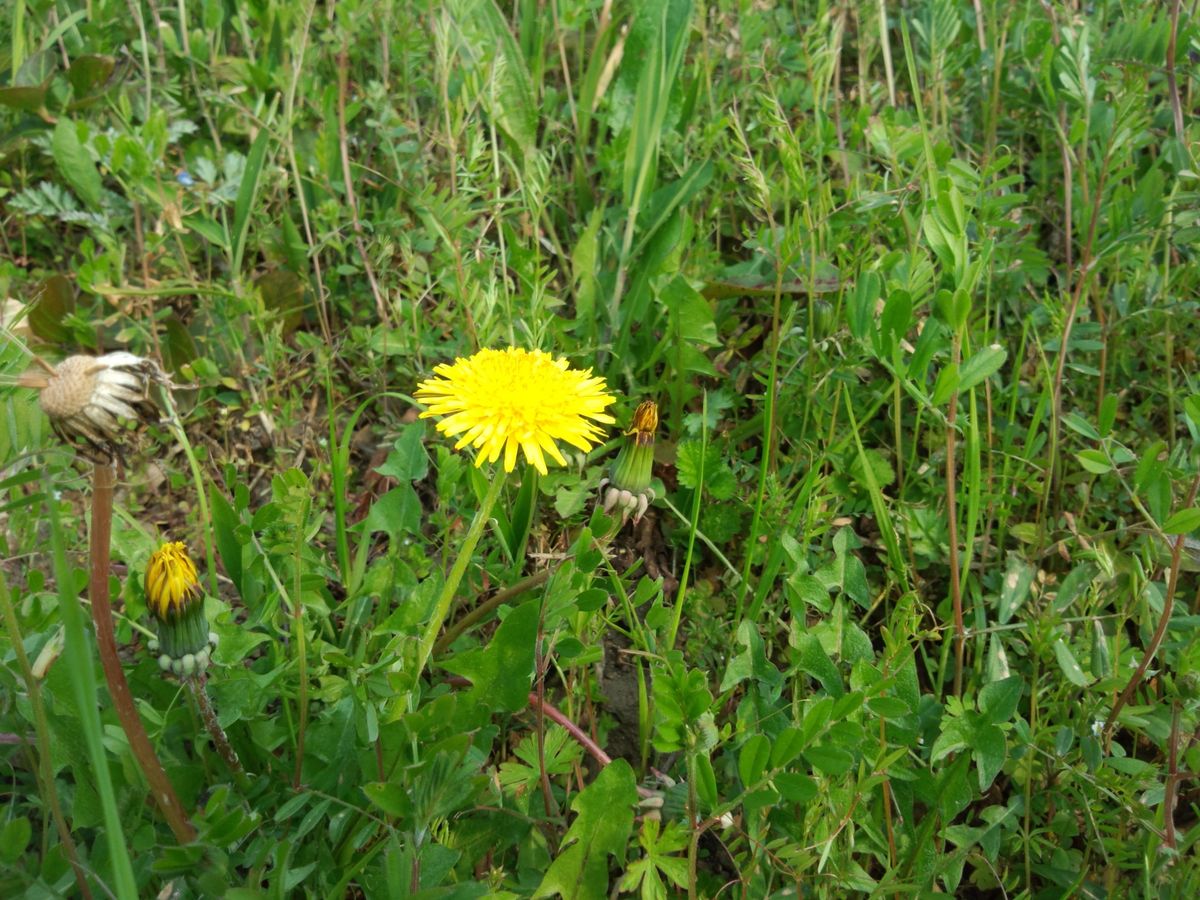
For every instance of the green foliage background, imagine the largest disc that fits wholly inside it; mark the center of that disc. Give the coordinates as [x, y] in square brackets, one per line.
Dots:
[915, 289]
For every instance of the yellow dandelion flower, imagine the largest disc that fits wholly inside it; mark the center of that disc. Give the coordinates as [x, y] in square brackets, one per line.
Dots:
[176, 600]
[513, 399]
[172, 583]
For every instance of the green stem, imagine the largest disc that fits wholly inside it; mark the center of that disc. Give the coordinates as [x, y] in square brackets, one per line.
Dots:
[687, 560]
[442, 609]
[175, 424]
[45, 764]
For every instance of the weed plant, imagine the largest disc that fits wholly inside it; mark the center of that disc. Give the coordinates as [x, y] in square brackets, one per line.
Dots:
[913, 606]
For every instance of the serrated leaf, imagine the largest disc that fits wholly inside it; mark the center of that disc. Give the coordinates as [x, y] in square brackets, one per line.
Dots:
[604, 819]
[502, 672]
[407, 460]
[396, 513]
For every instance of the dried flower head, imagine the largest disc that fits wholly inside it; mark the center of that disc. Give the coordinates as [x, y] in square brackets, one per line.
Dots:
[87, 398]
[628, 486]
[513, 399]
[176, 603]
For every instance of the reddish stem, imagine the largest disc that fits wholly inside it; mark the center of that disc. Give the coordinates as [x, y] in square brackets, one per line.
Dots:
[143, 751]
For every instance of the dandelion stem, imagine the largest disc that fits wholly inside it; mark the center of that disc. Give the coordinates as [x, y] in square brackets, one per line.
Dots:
[442, 609]
[104, 479]
[199, 689]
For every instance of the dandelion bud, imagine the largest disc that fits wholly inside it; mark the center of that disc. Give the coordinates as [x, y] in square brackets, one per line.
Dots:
[628, 486]
[88, 397]
[176, 603]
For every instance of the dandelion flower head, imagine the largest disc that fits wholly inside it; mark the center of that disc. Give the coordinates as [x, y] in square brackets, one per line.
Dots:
[514, 399]
[172, 583]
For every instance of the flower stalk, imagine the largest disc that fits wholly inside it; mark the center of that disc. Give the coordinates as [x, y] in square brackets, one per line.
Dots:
[198, 685]
[104, 479]
[442, 608]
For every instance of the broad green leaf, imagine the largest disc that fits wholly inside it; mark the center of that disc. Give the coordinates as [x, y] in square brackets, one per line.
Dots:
[982, 364]
[998, 700]
[53, 302]
[795, 787]
[501, 673]
[225, 523]
[753, 758]
[603, 821]
[989, 751]
[75, 163]
[1080, 425]
[946, 384]
[391, 798]
[396, 513]
[829, 760]
[407, 460]
[1094, 461]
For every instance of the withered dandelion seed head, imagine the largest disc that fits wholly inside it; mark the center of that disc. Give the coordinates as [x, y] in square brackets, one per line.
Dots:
[87, 398]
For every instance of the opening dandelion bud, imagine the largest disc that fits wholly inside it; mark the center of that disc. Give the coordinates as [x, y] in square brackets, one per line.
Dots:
[627, 487]
[91, 399]
[176, 603]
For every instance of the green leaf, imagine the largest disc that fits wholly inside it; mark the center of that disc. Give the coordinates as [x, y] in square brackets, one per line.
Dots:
[753, 758]
[946, 384]
[1018, 578]
[407, 460]
[396, 513]
[1066, 662]
[1080, 425]
[75, 163]
[989, 751]
[1183, 521]
[53, 302]
[247, 193]
[604, 819]
[795, 787]
[1094, 461]
[89, 73]
[225, 522]
[813, 660]
[982, 364]
[501, 673]
[829, 759]
[14, 838]
[860, 307]
[998, 700]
